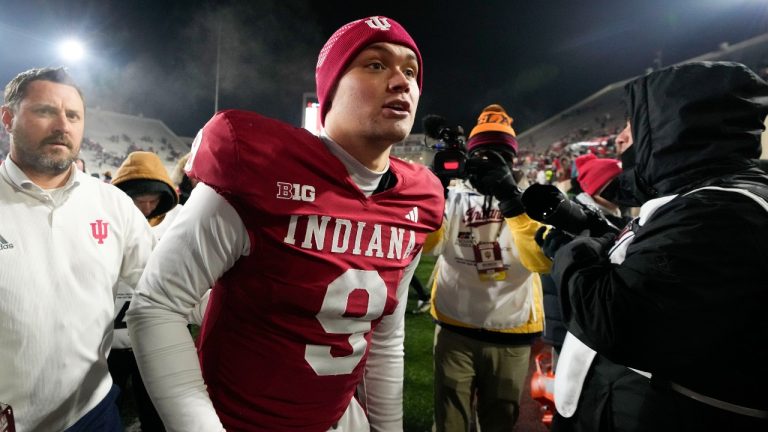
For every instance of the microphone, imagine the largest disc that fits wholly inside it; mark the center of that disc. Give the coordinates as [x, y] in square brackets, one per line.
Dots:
[433, 124]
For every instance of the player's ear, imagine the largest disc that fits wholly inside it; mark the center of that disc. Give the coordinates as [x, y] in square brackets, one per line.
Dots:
[6, 113]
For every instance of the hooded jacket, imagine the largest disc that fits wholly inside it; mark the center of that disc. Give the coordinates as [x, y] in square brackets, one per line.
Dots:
[688, 303]
[692, 125]
[143, 172]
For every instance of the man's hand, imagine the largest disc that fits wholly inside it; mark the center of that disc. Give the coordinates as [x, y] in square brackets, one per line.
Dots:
[550, 241]
[494, 177]
[593, 248]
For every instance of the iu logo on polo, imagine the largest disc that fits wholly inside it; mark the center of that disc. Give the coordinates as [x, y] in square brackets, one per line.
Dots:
[378, 23]
[99, 230]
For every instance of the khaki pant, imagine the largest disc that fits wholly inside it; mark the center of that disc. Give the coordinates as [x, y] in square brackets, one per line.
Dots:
[467, 370]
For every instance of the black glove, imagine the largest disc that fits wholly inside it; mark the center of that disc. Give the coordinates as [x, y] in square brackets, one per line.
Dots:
[494, 177]
[595, 247]
[554, 240]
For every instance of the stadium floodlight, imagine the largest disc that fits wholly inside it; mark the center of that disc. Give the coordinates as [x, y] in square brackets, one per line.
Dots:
[71, 50]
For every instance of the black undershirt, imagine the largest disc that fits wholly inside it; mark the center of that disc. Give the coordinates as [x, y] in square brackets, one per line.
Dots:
[387, 181]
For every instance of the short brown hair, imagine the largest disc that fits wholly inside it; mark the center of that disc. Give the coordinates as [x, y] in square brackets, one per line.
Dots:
[16, 89]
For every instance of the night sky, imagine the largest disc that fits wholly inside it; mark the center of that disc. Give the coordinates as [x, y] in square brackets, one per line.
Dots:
[536, 58]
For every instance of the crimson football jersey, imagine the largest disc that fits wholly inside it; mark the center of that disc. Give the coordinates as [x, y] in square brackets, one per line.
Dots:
[288, 327]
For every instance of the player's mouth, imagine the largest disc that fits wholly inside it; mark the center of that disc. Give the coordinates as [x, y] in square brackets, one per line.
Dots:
[397, 108]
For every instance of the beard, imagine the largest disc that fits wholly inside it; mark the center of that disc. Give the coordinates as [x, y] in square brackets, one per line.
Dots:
[40, 157]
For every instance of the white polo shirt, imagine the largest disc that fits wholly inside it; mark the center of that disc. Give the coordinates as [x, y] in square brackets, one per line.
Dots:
[62, 254]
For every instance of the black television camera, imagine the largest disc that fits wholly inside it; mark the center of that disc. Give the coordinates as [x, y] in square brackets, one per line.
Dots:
[450, 160]
[546, 204]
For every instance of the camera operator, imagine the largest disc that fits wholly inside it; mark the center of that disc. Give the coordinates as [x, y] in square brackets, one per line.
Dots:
[486, 297]
[593, 176]
[607, 393]
[680, 294]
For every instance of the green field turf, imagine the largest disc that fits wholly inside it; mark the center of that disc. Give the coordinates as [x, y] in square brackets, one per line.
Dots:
[419, 334]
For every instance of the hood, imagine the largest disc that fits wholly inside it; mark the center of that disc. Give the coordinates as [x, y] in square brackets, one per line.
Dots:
[143, 172]
[690, 123]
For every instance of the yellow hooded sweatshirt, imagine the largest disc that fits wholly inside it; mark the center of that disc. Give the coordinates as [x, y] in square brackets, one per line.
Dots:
[143, 172]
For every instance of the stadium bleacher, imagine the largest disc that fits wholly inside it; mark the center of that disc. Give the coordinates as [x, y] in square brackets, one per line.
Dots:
[603, 112]
[110, 136]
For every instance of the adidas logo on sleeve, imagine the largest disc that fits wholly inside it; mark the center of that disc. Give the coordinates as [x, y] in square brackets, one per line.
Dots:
[5, 244]
[413, 215]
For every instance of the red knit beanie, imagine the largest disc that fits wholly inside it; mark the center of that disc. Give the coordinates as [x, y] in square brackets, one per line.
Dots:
[344, 45]
[595, 173]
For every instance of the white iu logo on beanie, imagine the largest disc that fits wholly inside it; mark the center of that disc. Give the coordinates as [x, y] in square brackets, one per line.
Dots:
[378, 23]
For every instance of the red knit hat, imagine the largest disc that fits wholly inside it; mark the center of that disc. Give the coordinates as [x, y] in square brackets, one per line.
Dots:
[344, 45]
[595, 173]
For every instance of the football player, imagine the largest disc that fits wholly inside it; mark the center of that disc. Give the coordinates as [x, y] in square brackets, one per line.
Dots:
[309, 243]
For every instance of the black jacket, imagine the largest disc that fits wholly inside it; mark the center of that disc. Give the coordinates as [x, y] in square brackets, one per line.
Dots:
[690, 301]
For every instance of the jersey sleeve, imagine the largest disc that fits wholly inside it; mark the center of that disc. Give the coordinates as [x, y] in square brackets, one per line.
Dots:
[523, 230]
[198, 312]
[214, 157]
[381, 389]
[207, 239]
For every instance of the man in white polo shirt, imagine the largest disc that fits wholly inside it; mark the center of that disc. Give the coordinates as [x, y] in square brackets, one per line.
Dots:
[66, 240]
